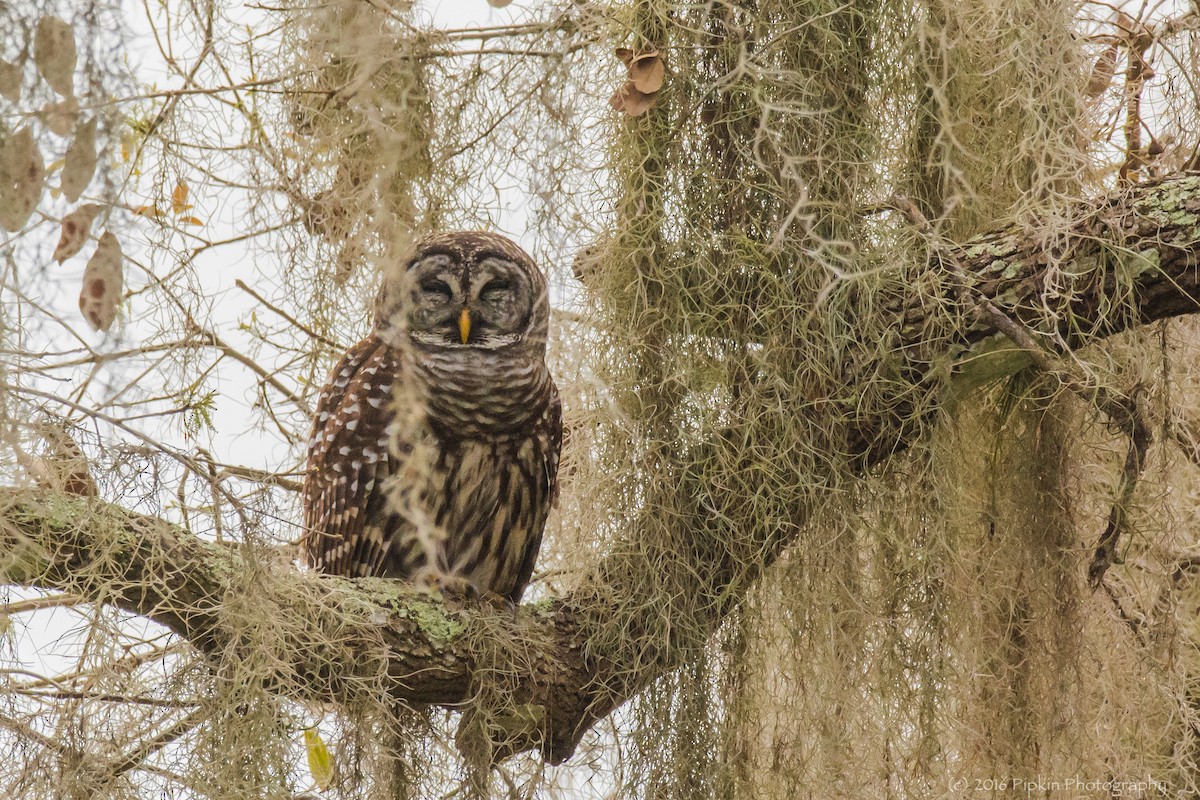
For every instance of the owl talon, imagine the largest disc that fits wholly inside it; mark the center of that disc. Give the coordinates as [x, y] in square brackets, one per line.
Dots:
[458, 585]
[499, 602]
[435, 582]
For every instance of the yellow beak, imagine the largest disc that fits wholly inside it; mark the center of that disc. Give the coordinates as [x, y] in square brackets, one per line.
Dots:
[464, 324]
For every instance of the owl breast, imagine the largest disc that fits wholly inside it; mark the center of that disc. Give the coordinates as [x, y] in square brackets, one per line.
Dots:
[489, 396]
[492, 507]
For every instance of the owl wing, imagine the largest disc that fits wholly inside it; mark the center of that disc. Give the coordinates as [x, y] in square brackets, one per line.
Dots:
[548, 433]
[344, 503]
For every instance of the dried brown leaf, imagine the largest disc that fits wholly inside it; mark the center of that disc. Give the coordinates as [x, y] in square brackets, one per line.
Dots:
[1136, 35]
[10, 81]
[80, 161]
[150, 212]
[22, 178]
[1126, 25]
[76, 228]
[101, 290]
[625, 55]
[588, 258]
[54, 54]
[1102, 72]
[179, 197]
[63, 467]
[647, 72]
[628, 100]
[498, 3]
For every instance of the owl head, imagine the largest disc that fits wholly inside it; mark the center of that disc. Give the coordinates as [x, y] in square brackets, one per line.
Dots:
[465, 290]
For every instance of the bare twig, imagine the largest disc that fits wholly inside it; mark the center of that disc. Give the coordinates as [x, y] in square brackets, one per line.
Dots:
[1134, 624]
[239, 283]
[279, 479]
[39, 603]
[1131, 472]
[216, 341]
[152, 745]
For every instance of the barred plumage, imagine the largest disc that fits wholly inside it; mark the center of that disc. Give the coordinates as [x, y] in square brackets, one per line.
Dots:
[436, 439]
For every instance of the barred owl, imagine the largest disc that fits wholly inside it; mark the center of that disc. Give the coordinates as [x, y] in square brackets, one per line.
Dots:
[436, 439]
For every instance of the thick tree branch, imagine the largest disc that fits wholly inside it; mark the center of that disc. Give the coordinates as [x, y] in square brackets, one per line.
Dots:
[1138, 250]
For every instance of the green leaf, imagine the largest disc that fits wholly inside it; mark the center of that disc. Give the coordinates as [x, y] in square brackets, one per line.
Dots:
[988, 363]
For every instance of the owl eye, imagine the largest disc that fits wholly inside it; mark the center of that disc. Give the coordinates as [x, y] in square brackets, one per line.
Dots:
[494, 288]
[436, 288]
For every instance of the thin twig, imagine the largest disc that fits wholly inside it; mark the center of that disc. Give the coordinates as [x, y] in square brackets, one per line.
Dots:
[239, 283]
[260, 476]
[1131, 472]
[216, 341]
[104, 697]
[39, 603]
[1134, 624]
[158, 742]
[126, 664]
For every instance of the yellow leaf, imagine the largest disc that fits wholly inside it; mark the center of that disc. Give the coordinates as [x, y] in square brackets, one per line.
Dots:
[148, 211]
[179, 198]
[189, 220]
[320, 764]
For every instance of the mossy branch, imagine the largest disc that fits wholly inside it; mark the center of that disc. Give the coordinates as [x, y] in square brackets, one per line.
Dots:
[1144, 244]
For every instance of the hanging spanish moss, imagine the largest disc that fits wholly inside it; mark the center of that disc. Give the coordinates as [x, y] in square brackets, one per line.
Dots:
[827, 549]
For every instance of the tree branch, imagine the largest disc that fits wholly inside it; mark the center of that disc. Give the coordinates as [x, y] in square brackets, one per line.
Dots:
[1143, 245]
